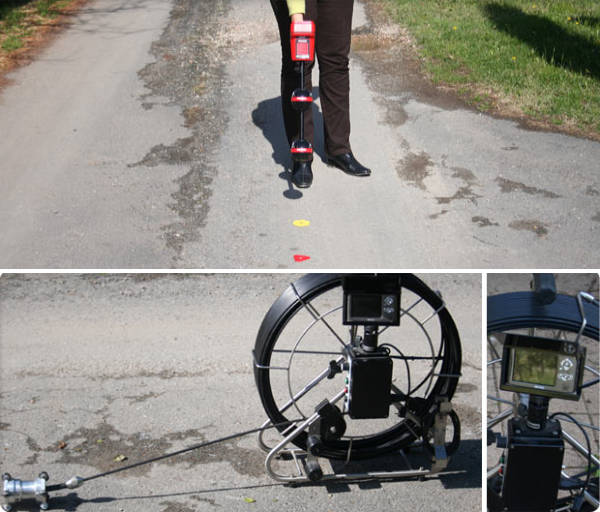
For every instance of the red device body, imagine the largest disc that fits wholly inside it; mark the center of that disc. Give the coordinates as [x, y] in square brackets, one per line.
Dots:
[302, 41]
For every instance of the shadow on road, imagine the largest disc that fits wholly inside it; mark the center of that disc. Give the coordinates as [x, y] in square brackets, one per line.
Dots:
[467, 458]
[268, 117]
[557, 46]
[463, 472]
[71, 501]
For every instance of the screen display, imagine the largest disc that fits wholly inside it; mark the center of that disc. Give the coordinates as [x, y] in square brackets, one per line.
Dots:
[365, 305]
[535, 366]
[302, 48]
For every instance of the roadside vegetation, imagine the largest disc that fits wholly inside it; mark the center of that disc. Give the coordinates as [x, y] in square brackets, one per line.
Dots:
[537, 58]
[23, 21]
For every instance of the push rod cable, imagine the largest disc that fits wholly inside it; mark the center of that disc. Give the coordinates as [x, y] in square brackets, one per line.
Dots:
[77, 481]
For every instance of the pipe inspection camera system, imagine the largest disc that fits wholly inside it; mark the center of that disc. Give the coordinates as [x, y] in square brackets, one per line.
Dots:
[348, 367]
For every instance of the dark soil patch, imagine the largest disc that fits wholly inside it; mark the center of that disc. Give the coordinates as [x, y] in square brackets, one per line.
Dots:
[414, 168]
[535, 226]
[464, 192]
[483, 222]
[103, 446]
[514, 186]
[174, 506]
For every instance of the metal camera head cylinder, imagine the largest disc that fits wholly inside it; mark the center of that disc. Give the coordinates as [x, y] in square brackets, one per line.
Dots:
[14, 491]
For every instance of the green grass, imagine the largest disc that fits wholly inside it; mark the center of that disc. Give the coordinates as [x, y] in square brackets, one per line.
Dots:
[12, 43]
[541, 58]
[11, 17]
[46, 8]
[19, 18]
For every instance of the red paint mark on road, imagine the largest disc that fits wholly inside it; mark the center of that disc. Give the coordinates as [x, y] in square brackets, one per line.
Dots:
[300, 257]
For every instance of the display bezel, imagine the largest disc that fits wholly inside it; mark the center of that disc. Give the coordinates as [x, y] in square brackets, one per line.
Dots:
[378, 287]
[513, 343]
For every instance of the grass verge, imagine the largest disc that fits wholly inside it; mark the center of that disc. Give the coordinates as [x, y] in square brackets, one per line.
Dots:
[535, 58]
[23, 22]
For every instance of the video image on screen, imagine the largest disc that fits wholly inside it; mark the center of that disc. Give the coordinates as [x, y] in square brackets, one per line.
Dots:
[535, 366]
[366, 306]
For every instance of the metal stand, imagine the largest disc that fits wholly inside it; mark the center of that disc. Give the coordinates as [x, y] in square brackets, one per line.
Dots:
[306, 468]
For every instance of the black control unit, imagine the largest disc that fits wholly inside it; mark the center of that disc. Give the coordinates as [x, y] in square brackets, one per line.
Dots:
[369, 384]
[533, 465]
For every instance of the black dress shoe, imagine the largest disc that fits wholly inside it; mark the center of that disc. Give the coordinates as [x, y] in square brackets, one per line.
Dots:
[347, 163]
[302, 174]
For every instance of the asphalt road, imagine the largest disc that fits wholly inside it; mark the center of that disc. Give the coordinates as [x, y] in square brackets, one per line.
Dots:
[148, 136]
[97, 366]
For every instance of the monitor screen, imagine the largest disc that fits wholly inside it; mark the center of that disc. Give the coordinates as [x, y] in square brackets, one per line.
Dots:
[364, 305]
[535, 366]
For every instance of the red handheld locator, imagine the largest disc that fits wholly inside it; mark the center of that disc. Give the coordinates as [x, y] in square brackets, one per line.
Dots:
[302, 40]
[302, 43]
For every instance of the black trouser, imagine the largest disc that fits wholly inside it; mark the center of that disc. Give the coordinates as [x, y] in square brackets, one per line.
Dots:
[333, 21]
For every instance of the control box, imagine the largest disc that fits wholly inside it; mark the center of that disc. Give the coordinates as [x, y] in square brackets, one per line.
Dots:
[369, 385]
[533, 465]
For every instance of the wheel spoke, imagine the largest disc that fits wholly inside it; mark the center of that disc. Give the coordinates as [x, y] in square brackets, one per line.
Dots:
[316, 315]
[500, 417]
[313, 352]
[501, 400]
[294, 351]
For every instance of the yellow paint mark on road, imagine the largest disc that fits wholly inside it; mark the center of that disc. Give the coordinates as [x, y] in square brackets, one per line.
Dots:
[301, 223]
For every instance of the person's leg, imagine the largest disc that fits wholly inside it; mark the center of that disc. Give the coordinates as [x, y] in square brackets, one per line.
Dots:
[334, 28]
[289, 76]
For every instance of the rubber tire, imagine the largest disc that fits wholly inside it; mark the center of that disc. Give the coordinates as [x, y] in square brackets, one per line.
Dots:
[284, 308]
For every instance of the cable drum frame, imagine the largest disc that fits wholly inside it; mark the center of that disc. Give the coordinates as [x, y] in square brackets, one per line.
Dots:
[566, 314]
[399, 437]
